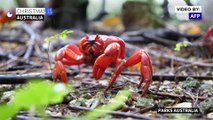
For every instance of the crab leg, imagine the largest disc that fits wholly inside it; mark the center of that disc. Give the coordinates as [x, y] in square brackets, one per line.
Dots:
[139, 56]
[68, 55]
[209, 36]
[209, 33]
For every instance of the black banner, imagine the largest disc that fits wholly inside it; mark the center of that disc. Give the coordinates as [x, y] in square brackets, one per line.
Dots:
[30, 17]
[178, 110]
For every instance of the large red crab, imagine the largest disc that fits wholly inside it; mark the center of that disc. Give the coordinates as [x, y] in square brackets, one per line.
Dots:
[209, 36]
[102, 51]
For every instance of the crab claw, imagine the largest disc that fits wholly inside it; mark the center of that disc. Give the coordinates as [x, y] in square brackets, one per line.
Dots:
[109, 56]
[68, 55]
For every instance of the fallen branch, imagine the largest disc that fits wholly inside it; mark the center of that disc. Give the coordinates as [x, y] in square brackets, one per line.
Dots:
[159, 39]
[25, 115]
[31, 42]
[115, 113]
[178, 96]
[159, 77]
[171, 57]
[22, 78]
[13, 39]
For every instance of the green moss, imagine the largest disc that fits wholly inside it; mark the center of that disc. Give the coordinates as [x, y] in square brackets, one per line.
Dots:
[190, 83]
[207, 105]
[144, 102]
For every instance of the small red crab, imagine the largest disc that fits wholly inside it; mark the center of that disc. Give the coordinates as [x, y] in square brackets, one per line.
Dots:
[209, 36]
[102, 51]
[7, 16]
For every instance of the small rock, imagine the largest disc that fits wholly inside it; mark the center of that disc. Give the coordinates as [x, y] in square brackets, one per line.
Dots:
[53, 113]
[182, 116]
[152, 114]
[183, 105]
[210, 115]
[77, 102]
[162, 88]
[103, 82]
[206, 88]
[169, 90]
[6, 96]
[210, 82]
[6, 87]
[153, 88]
[134, 89]
[92, 103]
[166, 82]
[79, 76]
[135, 96]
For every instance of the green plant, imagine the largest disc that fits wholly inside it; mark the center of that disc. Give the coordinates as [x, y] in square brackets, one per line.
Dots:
[190, 83]
[51, 38]
[113, 104]
[59, 35]
[36, 94]
[179, 45]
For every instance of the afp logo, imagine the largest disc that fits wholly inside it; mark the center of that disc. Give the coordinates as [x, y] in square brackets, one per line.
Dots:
[195, 16]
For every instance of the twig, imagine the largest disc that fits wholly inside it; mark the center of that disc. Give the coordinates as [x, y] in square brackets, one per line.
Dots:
[177, 96]
[32, 34]
[10, 39]
[22, 78]
[146, 109]
[23, 117]
[159, 77]
[147, 34]
[159, 39]
[116, 113]
[171, 57]
[189, 94]
[195, 103]
[17, 79]
[190, 65]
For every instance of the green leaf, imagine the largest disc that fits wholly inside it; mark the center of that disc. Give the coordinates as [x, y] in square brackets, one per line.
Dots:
[62, 35]
[7, 111]
[69, 31]
[35, 94]
[51, 93]
[179, 45]
[114, 104]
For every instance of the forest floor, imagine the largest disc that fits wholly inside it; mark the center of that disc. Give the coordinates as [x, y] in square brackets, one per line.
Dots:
[181, 78]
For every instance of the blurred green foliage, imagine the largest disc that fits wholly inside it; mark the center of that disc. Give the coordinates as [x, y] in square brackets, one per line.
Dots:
[35, 95]
[179, 45]
[62, 35]
[115, 103]
[190, 83]
[39, 93]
